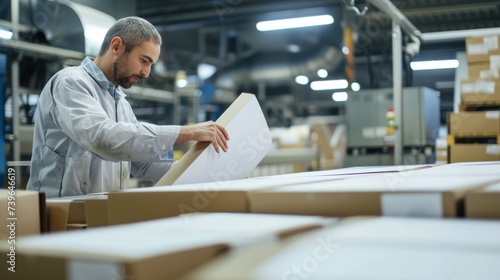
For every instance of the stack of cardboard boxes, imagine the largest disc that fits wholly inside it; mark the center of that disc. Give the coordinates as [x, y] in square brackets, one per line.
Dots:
[474, 132]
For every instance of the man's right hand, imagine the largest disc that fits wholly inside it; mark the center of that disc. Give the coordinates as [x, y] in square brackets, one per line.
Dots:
[205, 132]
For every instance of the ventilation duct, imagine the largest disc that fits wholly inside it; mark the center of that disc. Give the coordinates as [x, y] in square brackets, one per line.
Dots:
[280, 68]
[73, 26]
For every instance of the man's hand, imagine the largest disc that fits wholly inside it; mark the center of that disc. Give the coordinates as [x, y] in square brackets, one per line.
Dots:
[206, 132]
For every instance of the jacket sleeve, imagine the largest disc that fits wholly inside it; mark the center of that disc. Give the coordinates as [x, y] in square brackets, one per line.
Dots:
[152, 171]
[84, 120]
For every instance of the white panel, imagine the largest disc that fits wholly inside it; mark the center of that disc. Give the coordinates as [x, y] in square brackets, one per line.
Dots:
[412, 204]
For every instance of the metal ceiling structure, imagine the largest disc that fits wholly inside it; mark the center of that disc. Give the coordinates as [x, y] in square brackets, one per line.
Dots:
[222, 32]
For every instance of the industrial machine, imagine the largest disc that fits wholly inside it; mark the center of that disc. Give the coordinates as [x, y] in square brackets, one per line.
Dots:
[368, 140]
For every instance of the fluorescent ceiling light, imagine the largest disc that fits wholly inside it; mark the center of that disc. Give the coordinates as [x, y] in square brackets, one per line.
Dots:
[294, 48]
[322, 73]
[355, 86]
[345, 50]
[181, 83]
[294, 22]
[329, 84]
[5, 35]
[434, 64]
[339, 96]
[301, 80]
[206, 71]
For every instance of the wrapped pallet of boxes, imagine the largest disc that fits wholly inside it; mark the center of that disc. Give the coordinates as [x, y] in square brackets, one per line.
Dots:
[377, 248]
[160, 249]
[474, 136]
[483, 204]
[392, 194]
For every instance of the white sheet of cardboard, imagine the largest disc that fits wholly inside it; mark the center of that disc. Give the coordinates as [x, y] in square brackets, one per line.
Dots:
[249, 141]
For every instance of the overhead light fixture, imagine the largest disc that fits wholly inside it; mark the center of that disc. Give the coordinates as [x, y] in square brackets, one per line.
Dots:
[181, 83]
[301, 80]
[339, 96]
[205, 70]
[322, 73]
[294, 48]
[345, 50]
[5, 34]
[329, 84]
[434, 64]
[294, 22]
[355, 86]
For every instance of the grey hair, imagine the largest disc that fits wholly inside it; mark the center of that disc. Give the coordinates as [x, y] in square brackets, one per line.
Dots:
[133, 31]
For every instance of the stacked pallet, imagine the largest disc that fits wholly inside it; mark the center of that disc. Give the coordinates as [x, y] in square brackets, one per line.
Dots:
[474, 132]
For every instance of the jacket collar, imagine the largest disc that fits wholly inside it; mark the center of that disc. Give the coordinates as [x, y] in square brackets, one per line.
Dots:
[96, 73]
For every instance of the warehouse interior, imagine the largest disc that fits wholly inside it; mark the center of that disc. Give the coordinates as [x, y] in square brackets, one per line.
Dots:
[363, 143]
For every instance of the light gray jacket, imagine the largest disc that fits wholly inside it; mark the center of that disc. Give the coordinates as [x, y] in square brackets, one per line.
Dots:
[87, 138]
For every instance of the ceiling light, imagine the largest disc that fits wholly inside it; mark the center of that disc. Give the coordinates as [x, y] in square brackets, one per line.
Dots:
[181, 83]
[301, 80]
[294, 22]
[322, 73]
[434, 64]
[5, 35]
[345, 50]
[206, 71]
[329, 84]
[294, 48]
[339, 96]
[355, 86]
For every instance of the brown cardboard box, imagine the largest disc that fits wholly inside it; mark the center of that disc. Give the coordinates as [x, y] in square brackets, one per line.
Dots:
[491, 57]
[392, 194]
[474, 152]
[161, 249]
[483, 204]
[96, 212]
[73, 212]
[480, 91]
[135, 205]
[386, 248]
[483, 70]
[474, 122]
[249, 142]
[479, 49]
[20, 213]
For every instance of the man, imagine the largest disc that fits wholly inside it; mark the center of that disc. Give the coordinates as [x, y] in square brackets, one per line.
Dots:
[87, 138]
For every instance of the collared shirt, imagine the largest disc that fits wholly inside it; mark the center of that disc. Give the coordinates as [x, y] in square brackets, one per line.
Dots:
[87, 138]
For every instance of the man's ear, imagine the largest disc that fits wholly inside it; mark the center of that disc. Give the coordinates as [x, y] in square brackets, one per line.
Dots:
[116, 44]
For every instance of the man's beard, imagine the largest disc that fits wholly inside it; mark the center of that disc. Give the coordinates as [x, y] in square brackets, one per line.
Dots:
[123, 80]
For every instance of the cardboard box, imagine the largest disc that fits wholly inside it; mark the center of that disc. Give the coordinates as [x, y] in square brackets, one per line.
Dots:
[250, 140]
[135, 205]
[474, 152]
[161, 249]
[483, 204]
[479, 91]
[391, 194]
[479, 49]
[386, 248]
[20, 213]
[74, 212]
[474, 122]
[462, 169]
[483, 70]
[350, 171]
